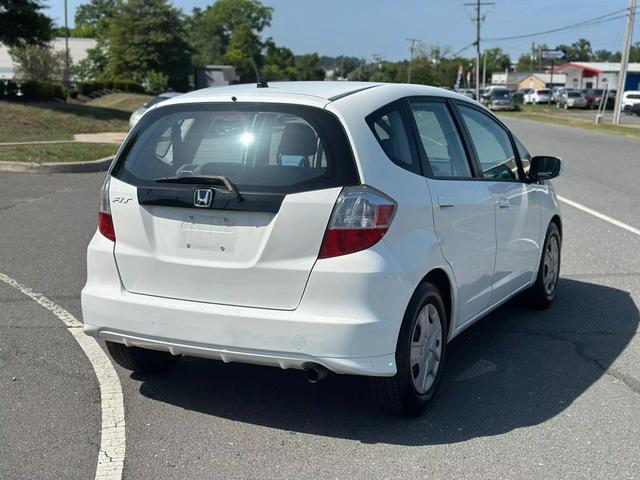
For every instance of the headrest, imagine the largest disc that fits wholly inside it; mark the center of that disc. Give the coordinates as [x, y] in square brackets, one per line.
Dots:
[298, 139]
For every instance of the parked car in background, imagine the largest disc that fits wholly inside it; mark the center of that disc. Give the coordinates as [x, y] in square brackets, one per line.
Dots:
[135, 116]
[518, 96]
[635, 109]
[595, 95]
[322, 226]
[542, 95]
[571, 99]
[468, 92]
[555, 93]
[629, 99]
[500, 99]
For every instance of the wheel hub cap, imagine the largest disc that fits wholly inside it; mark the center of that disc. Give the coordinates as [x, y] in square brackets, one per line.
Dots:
[426, 348]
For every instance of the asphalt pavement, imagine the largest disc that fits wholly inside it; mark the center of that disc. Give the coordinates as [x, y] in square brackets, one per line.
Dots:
[526, 394]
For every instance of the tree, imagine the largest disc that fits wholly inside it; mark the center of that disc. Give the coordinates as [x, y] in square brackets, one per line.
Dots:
[38, 62]
[214, 30]
[309, 68]
[634, 54]
[496, 61]
[148, 35]
[579, 51]
[606, 56]
[93, 18]
[22, 22]
[279, 63]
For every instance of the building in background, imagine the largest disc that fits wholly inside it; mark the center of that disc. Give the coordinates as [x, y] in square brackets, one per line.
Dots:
[599, 74]
[78, 48]
[508, 79]
[215, 76]
[543, 80]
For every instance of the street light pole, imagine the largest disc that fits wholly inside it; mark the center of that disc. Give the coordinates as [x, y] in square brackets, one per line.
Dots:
[624, 61]
[66, 50]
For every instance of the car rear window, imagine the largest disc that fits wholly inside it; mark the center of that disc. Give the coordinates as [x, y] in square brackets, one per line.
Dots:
[273, 148]
[574, 95]
[543, 92]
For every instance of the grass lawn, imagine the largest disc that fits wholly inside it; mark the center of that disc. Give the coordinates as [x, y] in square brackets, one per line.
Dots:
[127, 102]
[552, 114]
[57, 152]
[23, 122]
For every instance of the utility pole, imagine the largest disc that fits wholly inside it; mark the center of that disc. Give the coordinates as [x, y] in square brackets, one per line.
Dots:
[484, 69]
[66, 53]
[624, 62]
[478, 4]
[412, 49]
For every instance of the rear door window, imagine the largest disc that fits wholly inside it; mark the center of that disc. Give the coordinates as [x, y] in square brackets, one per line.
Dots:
[440, 141]
[258, 147]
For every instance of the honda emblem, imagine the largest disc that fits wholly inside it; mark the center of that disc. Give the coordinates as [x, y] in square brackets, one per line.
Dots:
[202, 197]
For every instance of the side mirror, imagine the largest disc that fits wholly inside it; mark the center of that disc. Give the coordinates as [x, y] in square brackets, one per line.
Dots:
[544, 168]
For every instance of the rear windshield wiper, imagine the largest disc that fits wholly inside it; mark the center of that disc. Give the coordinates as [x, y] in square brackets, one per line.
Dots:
[202, 179]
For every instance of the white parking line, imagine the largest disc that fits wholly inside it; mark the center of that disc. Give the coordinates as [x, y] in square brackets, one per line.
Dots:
[112, 437]
[599, 215]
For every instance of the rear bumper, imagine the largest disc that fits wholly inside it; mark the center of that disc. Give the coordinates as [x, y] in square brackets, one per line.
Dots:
[348, 320]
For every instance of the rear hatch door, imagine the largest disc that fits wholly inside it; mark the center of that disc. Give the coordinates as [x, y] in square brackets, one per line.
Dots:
[227, 203]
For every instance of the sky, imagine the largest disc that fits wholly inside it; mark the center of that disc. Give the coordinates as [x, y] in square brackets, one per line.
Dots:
[362, 28]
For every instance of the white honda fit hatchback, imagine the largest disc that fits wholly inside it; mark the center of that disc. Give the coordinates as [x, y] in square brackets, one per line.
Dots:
[326, 226]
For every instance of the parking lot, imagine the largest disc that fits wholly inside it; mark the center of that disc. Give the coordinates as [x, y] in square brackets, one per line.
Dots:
[551, 394]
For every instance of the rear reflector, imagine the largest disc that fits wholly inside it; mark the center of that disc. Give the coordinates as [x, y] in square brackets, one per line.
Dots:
[360, 218]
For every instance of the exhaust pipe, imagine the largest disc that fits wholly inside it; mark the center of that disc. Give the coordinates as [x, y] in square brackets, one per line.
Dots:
[316, 373]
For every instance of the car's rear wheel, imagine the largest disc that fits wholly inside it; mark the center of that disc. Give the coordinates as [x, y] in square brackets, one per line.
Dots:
[140, 360]
[420, 355]
[543, 291]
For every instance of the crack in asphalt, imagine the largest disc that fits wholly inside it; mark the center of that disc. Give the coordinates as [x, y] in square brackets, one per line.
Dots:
[26, 201]
[630, 381]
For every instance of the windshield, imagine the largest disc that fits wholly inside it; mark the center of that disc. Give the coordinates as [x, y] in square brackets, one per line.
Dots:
[258, 147]
[574, 95]
[543, 92]
[500, 94]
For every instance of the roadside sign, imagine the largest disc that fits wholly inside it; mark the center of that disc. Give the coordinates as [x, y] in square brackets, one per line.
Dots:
[554, 54]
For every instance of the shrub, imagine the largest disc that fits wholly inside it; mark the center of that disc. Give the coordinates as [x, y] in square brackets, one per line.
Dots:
[73, 93]
[34, 89]
[157, 82]
[108, 84]
[11, 88]
[87, 88]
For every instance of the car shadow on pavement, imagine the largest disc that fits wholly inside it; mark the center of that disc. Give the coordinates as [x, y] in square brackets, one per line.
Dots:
[515, 368]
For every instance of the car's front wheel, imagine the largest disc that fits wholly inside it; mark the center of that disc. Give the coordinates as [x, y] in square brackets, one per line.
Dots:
[543, 291]
[140, 360]
[420, 355]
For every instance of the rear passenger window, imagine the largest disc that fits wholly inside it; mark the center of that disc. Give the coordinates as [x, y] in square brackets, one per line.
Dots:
[440, 140]
[492, 145]
[389, 128]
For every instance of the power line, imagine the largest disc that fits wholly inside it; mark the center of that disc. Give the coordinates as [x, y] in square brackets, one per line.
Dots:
[592, 21]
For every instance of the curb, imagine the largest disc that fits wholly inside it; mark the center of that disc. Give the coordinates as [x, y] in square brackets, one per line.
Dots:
[100, 165]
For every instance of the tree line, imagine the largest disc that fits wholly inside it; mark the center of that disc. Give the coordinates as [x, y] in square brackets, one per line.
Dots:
[153, 43]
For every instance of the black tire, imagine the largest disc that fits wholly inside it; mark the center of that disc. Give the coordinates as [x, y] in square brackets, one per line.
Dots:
[539, 295]
[397, 394]
[140, 360]
[627, 110]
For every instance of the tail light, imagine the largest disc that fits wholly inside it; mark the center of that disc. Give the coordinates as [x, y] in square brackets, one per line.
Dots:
[105, 222]
[360, 218]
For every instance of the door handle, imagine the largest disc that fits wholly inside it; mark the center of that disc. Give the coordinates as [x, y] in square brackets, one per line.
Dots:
[504, 202]
[445, 201]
